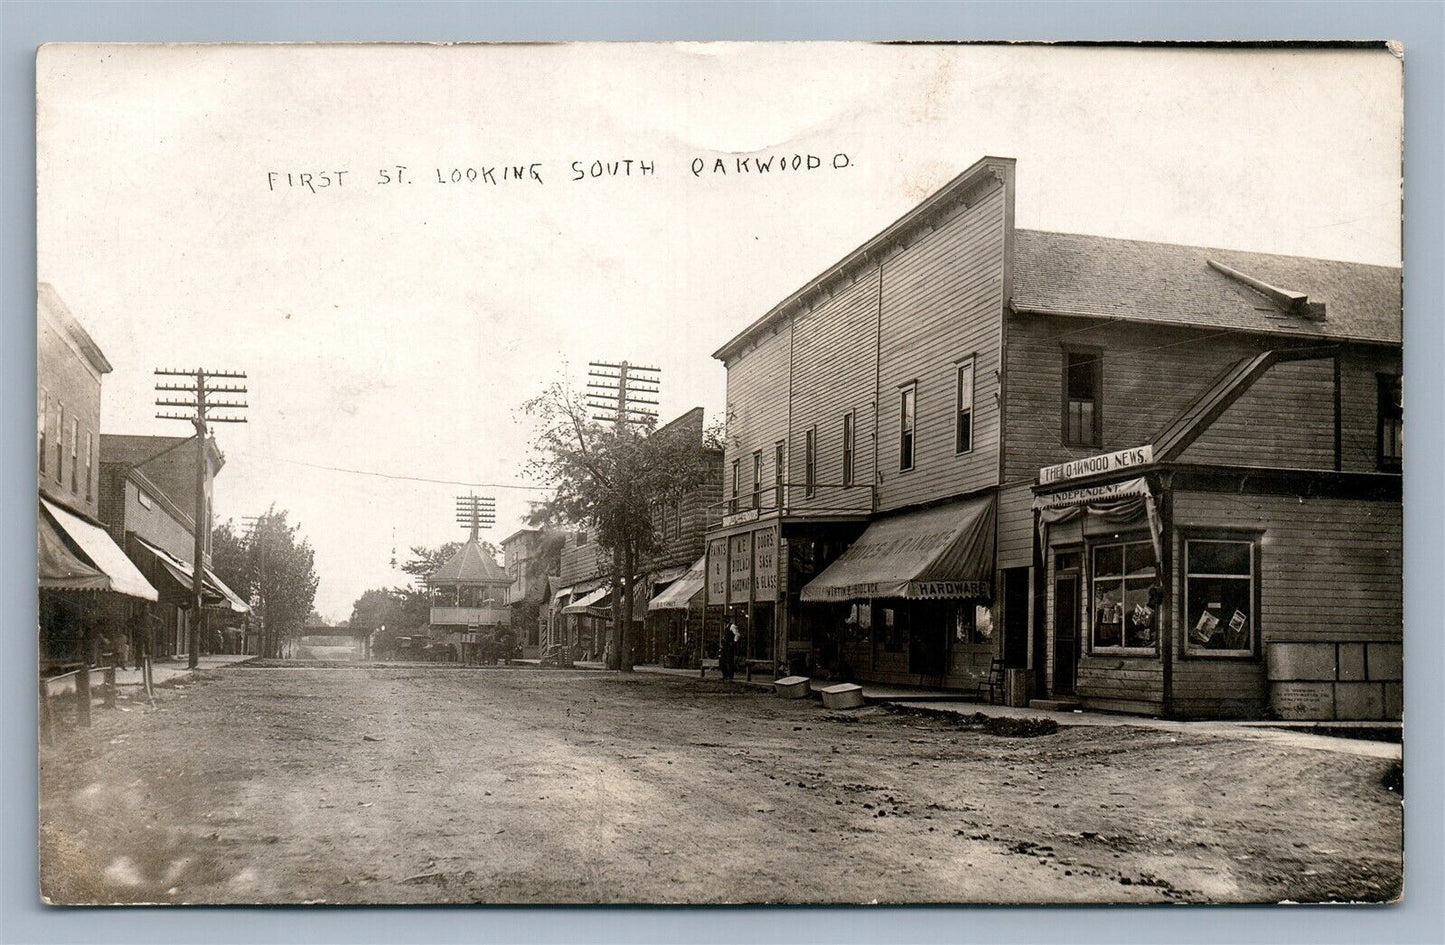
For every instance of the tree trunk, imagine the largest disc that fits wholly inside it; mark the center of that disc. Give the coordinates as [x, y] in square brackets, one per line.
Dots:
[624, 650]
[619, 594]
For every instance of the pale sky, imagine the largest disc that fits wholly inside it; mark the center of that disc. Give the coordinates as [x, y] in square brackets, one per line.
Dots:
[397, 328]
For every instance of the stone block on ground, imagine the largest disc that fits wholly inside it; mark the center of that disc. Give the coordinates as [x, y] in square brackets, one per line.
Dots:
[843, 696]
[791, 687]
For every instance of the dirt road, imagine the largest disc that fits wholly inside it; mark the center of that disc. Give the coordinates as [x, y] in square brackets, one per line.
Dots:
[388, 785]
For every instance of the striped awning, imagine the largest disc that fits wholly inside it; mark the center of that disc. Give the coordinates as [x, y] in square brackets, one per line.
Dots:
[589, 600]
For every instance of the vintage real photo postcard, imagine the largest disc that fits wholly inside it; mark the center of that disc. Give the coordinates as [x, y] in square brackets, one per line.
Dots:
[719, 473]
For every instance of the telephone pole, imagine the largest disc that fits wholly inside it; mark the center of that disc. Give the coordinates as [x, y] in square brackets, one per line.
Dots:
[192, 397]
[256, 532]
[614, 389]
[476, 512]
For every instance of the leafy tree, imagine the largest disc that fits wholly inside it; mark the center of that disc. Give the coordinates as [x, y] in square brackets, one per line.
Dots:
[380, 609]
[279, 572]
[608, 478]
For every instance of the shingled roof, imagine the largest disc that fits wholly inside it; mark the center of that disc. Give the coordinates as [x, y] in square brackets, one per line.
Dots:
[1172, 284]
[470, 565]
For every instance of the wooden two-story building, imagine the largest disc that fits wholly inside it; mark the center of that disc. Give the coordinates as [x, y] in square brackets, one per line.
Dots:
[1158, 478]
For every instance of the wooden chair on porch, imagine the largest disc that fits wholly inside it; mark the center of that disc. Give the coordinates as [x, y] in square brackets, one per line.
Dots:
[993, 682]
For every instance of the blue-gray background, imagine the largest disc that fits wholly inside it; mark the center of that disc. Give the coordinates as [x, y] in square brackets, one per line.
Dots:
[1420, 26]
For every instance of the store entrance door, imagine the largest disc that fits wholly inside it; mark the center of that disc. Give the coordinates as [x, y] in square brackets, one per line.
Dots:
[1066, 631]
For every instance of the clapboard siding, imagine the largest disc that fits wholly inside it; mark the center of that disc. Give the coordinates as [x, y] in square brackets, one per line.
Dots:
[1121, 684]
[1016, 526]
[1330, 569]
[1218, 689]
[1151, 373]
[757, 406]
[1359, 368]
[1286, 419]
[942, 301]
[835, 368]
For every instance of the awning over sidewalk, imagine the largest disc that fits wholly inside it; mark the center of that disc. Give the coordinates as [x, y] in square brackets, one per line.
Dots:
[684, 590]
[588, 600]
[98, 554]
[941, 553]
[237, 605]
[214, 593]
[60, 568]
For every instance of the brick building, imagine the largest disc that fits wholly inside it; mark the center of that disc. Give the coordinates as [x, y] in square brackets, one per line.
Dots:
[81, 570]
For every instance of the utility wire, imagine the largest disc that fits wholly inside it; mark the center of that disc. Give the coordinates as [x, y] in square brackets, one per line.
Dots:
[382, 475]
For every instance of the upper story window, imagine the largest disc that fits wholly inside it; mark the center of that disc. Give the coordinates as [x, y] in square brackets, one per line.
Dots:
[810, 461]
[89, 465]
[677, 519]
[1126, 595]
[42, 416]
[779, 455]
[907, 420]
[581, 536]
[74, 454]
[848, 449]
[737, 477]
[757, 477]
[1083, 392]
[59, 442]
[963, 418]
[1219, 593]
[1390, 422]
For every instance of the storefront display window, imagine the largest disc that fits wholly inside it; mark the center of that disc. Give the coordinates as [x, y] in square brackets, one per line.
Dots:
[1126, 596]
[891, 625]
[858, 624]
[972, 625]
[1219, 596]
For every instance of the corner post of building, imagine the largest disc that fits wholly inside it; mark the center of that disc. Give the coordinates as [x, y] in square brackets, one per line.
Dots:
[1166, 583]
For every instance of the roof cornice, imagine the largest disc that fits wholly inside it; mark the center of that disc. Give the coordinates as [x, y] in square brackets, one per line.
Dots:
[984, 172]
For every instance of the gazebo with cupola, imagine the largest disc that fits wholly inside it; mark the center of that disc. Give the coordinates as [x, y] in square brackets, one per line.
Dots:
[469, 591]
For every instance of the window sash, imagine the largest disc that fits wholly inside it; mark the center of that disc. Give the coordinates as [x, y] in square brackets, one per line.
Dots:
[757, 477]
[1083, 390]
[848, 448]
[60, 442]
[1389, 424]
[42, 424]
[1236, 595]
[907, 417]
[779, 455]
[810, 461]
[963, 420]
[1119, 591]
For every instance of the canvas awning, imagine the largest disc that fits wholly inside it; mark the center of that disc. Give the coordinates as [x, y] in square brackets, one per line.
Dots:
[588, 600]
[936, 554]
[668, 575]
[233, 599]
[99, 553]
[178, 573]
[60, 568]
[684, 590]
[1117, 502]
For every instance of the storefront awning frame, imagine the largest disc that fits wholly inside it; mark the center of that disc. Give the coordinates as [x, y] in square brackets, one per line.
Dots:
[101, 552]
[942, 553]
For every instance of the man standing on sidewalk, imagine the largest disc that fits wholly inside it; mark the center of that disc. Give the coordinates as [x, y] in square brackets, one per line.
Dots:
[728, 653]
